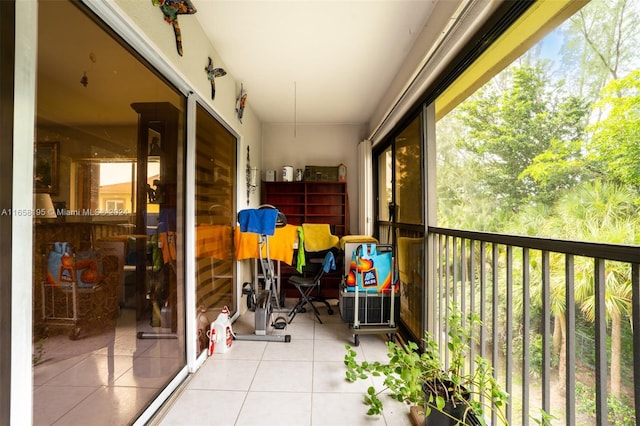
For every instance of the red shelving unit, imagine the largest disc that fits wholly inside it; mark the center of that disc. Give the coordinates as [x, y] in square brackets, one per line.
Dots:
[311, 202]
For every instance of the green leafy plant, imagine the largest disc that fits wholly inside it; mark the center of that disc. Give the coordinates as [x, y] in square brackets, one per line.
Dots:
[544, 420]
[620, 411]
[423, 379]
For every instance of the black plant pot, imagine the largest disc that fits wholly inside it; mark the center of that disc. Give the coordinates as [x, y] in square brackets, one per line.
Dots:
[458, 414]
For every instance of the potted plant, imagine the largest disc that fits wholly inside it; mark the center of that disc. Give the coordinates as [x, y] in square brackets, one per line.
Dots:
[451, 393]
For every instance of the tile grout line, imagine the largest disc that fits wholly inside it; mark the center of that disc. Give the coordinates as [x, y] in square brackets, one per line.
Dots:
[246, 395]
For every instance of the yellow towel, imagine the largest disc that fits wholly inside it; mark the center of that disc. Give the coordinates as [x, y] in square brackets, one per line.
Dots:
[356, 239]
[318, 237]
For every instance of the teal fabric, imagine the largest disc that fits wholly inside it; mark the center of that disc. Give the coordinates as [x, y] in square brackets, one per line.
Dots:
[329, 263]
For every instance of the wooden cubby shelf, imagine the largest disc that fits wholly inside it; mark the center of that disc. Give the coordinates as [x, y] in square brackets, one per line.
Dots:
[310, 202]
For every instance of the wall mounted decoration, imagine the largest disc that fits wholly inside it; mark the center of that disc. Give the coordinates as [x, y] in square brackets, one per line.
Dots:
[46, 167]
[241, 101]
[212, 73]
[84, 80]
[252, 177]
[171, 9]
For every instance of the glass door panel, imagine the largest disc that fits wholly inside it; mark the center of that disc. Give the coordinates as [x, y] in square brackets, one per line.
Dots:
[108, 286]
[400, 219]
[386, 209]
[408, 175]
[215, 218]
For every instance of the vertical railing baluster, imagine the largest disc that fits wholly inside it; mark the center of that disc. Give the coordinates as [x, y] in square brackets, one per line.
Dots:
[443, 291]
[472, 297]
[509, 364]
[483, 298]
[494, 316]
[447, 291]
[455, 273]
[526, 317]
[601, 343]
[570, 340]
[463, 286]
[483, 304]
[438, 298]
[546, 332]
[635, 312]
[438, 291]
[447, 240]
[463, 274]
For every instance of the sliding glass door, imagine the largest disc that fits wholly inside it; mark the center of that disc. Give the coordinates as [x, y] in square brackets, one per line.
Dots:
[400, 217]
[108, 281]
[215, 218]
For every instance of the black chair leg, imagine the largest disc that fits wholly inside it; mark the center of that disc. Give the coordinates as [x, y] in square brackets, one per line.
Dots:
[297, 308]
[327, 304]
[315, 311]
[319, 298]
[303, 300]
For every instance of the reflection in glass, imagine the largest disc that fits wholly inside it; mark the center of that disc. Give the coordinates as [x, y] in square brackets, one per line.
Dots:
[385, 195]
[108, 309]
[215, 168]
[400, 207]
[408, 175]
[411, 262]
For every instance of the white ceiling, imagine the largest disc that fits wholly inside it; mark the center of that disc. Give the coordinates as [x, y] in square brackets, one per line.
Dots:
[313, 61]
[308, 61]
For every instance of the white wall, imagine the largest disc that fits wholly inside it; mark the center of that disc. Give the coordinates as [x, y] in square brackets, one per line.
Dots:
[197, 48]
[315, 145]
[272, 145]
[147, 21]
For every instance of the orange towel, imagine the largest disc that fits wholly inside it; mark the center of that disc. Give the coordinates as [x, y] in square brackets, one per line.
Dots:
[281, 244]
[167, 242]
[213, 241]
[246, 245]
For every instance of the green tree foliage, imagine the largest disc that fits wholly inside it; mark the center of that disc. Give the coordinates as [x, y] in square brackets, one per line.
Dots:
[601, 44]
[461, 199]
[562, 165]
[558, 156]
[616, 138]
[510, 128]
[599, 211]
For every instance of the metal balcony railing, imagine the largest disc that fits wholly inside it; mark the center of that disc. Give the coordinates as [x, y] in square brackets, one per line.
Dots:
[528, 290]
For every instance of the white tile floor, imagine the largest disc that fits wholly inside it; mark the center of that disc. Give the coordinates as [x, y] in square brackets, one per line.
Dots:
[105, 378]
[275, 383]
